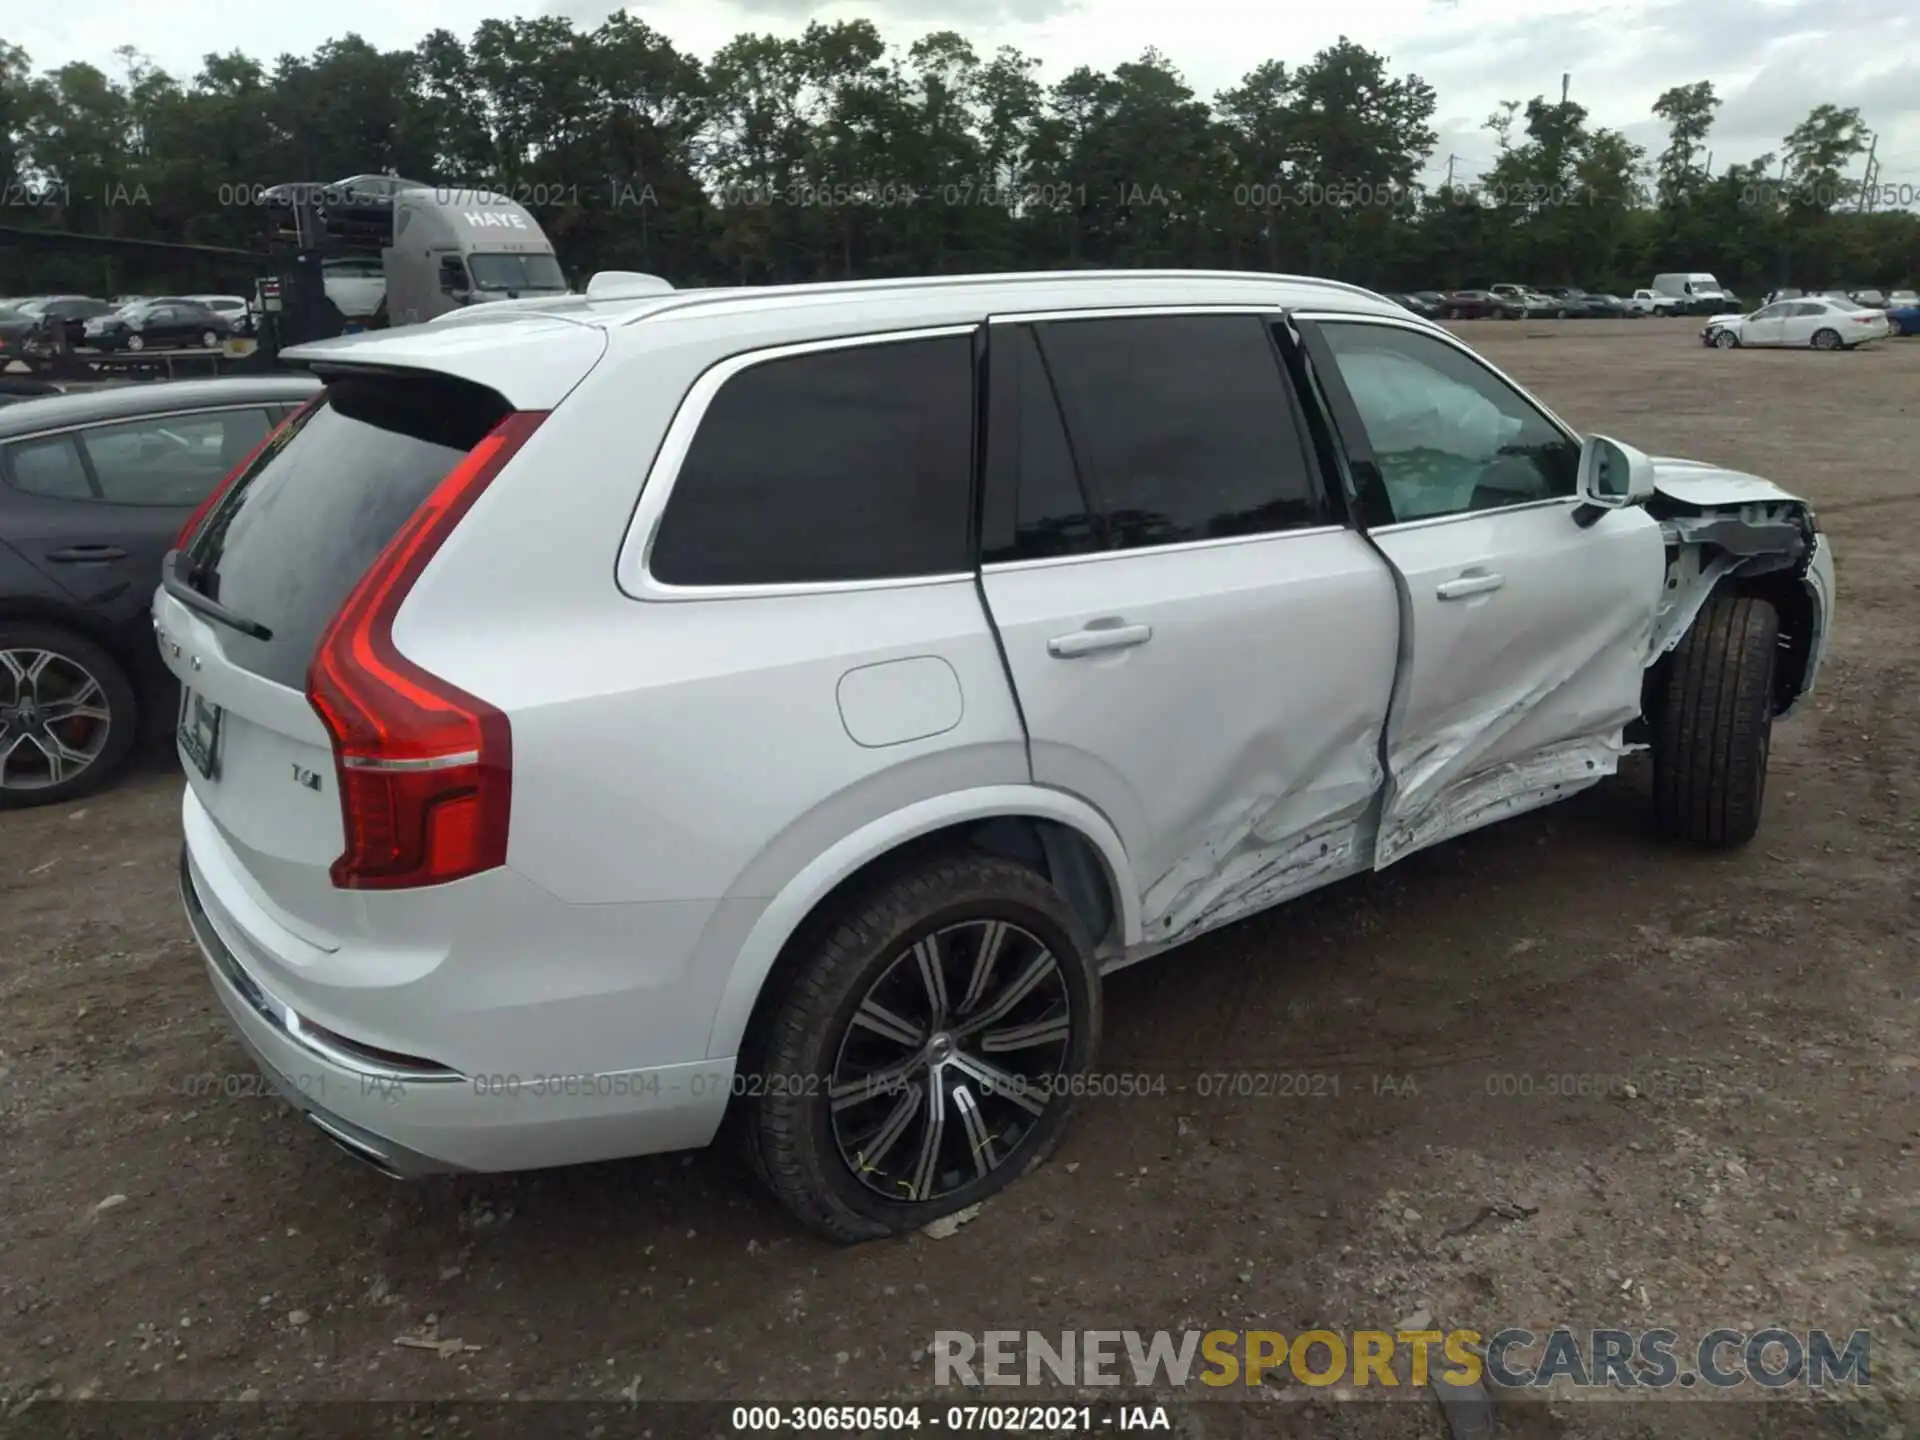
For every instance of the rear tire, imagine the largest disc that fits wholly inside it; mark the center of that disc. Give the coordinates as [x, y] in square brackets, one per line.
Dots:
[1713, 725]
[1826, 340]
[838, 1171]
[52, 668]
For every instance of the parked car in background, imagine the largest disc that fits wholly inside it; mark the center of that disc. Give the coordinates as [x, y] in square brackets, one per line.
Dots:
[1419, 305]
[1480, 305]
[1818, 323]
[234, 309]
[94, 487]
[1902, 297]
[878, 790]
[1570, 301]
[16, 327]
[1608, 307]
[65, 316]
[159, 325]
[1905, 319]
[1653, 302]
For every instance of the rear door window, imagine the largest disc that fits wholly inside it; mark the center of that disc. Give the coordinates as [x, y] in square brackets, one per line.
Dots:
[51, 468]
[846, 464]
[171, 459]
[288, 543]
[1184, 427]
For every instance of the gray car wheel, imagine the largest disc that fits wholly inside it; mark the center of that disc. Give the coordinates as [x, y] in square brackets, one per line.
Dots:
[68, 716]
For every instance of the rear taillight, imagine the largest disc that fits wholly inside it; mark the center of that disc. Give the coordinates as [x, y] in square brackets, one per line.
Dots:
[425, 769]
[205, 508]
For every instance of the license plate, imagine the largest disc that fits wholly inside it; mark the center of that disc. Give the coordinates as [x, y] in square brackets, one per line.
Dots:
[199, 732]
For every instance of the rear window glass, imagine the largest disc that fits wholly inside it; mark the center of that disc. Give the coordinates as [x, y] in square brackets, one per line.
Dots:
[853, 463]
[292, 538]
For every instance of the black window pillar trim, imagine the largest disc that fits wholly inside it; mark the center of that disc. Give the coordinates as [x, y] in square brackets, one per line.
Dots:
[1367, 504]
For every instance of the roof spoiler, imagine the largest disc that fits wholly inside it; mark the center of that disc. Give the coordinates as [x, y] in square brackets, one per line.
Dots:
[614, 284]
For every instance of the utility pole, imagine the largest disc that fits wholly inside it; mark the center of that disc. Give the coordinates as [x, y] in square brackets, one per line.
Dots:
[1708, 172]
[1565, 82]
[1866, 185]
[1449, 186]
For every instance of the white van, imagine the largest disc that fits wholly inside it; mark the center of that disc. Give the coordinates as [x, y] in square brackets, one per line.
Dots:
[1696, 290]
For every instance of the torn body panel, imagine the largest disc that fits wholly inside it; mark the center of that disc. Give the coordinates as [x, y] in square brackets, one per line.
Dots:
[1263, 846]
[1513, 698]
[1725, 527]
[1231, 731]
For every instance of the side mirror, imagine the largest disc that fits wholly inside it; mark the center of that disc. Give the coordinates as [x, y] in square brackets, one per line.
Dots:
[1612, 477]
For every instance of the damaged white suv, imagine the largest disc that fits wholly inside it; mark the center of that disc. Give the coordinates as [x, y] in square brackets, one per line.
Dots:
[609, 715]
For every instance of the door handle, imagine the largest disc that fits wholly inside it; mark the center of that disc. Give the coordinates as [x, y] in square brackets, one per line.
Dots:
[1097, 639]
[86, 554]
[1473, 583]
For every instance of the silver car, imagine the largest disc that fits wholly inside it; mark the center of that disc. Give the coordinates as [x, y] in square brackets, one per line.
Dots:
[606, 715]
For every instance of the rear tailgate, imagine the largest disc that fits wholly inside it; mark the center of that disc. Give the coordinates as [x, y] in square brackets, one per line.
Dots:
[269, 568]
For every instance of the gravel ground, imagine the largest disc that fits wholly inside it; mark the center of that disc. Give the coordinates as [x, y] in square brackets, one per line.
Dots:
[1568, 1075]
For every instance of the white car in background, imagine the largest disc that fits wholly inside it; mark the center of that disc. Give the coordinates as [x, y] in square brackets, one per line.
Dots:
[235, 309]
[1816, 321]
[1652, 302]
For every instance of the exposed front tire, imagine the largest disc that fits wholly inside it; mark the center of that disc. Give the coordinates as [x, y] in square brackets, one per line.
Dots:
[1713, 724]
[913, 1064]
[68, 715]
[1726, 340]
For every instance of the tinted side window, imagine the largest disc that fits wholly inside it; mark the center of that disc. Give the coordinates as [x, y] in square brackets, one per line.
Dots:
[1037, 504]
[50, 467]
[1184, 425]
[1448, 434]
[171, 459]
[846, 464]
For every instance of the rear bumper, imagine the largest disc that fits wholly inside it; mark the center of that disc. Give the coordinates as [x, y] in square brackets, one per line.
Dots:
[412, 1118]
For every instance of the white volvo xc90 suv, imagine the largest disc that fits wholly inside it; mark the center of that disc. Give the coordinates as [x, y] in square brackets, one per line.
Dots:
[609, 715]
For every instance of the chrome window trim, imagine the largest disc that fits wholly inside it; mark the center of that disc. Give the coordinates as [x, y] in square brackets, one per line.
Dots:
[633, 571]
[221, 409]
[1050, 562]
[1128, 312]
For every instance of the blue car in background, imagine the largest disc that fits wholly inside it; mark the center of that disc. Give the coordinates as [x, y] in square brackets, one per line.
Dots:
[1905, 320]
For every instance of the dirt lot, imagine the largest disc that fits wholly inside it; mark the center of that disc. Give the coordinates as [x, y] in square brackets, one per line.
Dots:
[1761, 1005]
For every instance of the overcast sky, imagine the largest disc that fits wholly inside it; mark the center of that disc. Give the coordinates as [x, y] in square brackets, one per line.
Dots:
[1770, 60]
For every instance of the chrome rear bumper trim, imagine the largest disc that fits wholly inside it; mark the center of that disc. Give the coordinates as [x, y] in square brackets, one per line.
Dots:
[319, 1043]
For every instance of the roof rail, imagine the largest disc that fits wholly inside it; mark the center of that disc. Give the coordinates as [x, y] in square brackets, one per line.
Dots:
[686, 299]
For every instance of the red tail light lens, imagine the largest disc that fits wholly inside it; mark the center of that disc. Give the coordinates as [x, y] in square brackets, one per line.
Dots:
[425, 769]
[214, 496]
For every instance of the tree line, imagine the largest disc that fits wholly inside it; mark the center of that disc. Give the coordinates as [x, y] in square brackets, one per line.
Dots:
[831, 155]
